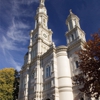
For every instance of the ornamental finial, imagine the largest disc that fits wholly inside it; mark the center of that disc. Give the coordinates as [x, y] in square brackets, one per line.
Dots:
[70, 11]
[42, 2]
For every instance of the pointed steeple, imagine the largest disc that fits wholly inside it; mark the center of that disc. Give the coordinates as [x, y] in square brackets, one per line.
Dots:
[42, 8]
[41, 15]
[72, 20]
[74, 29]
[71, 14]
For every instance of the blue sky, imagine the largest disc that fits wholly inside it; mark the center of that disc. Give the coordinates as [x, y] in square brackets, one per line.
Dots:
[17, 19]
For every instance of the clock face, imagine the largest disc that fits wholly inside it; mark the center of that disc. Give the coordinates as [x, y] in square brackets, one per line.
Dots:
[44, 35]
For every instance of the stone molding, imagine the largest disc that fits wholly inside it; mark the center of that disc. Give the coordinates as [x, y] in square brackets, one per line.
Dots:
[61, 48]
[50, 51]
[73, 30]
[62, 54]
[65, 87]
[64, 77]
[75, 44]
[41, 13]
[65, 90]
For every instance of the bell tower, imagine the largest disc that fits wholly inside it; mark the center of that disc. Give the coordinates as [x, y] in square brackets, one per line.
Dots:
[75, 33]
[41, 36]
[40, 42]
[41, 15]
[75, 40]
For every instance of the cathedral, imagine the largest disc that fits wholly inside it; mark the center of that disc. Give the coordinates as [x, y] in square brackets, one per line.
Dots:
[48, 70]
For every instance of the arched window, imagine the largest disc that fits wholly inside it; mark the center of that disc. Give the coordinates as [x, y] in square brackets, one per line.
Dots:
[70, 24]
[24, 82]
[33, 74]
[72, 37]
[48, 71]
[76, 64]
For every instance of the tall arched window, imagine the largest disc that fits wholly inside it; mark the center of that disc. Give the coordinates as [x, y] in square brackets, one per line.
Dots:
[24, 82]
[33, 74]
[70, 24]
[72, 37]
[48, 71]
[76, 64]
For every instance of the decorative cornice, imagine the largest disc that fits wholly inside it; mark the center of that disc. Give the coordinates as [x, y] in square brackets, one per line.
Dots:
[46, 29]
[64, 77]
[62, 54]
[41, 13]
[75, 44]
[65, 90]
[73, 30]
[61, 48]
[29, 47]
[65, 87]
[35, 59]
[51, 50]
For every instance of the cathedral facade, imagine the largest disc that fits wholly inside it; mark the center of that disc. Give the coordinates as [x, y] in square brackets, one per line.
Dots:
[47, 71]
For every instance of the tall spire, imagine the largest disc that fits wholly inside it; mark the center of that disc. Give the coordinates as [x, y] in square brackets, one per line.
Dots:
[42, 2]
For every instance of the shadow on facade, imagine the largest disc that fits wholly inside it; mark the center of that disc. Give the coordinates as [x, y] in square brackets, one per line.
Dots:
[47, 99]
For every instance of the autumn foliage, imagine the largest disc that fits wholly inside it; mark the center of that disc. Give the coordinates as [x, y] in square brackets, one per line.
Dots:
[89, 66]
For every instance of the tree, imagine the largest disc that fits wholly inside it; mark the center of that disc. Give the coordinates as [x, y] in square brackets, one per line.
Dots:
[89, 66]
[9, 84]
[16, 85]
[6, 83]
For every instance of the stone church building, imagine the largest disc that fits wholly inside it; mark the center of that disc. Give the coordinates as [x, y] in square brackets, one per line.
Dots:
[47, 70]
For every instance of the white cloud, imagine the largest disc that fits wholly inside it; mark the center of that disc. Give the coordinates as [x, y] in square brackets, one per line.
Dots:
[15, 64]
[29, 1]
[18, 10]
[16, 32]
[7, 44]
[9, 58]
